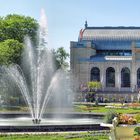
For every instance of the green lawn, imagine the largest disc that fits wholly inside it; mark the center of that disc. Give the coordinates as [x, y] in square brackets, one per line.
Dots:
[102, 109]
[68, 136]
[85, 108]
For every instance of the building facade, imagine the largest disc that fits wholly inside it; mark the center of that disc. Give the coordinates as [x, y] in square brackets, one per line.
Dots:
[110, 55]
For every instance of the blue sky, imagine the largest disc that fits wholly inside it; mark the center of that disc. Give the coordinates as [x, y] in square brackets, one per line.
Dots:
[67, 17]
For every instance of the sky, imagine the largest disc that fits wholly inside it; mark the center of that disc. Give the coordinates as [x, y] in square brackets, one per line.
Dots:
[65, 18]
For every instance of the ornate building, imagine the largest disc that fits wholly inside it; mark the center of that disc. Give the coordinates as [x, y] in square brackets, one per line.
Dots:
[110, 55]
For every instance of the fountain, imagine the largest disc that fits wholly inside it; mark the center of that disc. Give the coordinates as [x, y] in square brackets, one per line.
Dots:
[38, 80]
[41, 72]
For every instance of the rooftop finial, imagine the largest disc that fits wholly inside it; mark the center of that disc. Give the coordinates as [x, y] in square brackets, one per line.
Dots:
[86, 25]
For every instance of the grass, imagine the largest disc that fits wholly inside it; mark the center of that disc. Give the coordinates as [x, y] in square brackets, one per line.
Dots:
[14, 109]
[85, 108]
[102, 109]
[68, 136]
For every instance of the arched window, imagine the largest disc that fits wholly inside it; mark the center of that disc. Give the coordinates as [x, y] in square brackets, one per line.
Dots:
[125, 77]
[138, 77]
[95, 74]
[110, 77]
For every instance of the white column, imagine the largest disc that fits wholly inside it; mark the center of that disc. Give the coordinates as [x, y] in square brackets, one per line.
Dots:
[103, 78]
[133, 77]
[133, 80]
[118, 79]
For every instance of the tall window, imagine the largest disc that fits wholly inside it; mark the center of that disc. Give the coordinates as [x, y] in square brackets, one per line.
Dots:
[138, 77]
[95, 74]
[125, 77]
[110, 77]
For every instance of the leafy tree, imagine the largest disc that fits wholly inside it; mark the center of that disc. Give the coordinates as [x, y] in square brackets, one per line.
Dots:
[10, 51]
[17, 26]
[94, 85]
[13, 29]
[61, 56]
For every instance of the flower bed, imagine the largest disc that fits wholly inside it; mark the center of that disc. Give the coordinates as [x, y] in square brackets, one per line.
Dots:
[131, 105]
[117, 106]
[134, 105]
[126, 119]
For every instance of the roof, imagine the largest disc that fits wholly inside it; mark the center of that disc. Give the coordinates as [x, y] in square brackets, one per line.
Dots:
[112, 45]
[107, 59]
[111, 33]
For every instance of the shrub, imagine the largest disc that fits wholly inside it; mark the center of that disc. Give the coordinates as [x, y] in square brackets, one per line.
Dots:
[137, 131]
[137, 117]
[110, 116]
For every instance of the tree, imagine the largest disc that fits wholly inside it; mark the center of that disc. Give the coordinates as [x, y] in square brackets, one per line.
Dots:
[94, 85]
[61, 56]
[10, 51]
[17, 26]
[13, 29]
